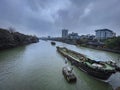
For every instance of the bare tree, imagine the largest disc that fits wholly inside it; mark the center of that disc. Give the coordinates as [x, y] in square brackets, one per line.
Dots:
[11, 30]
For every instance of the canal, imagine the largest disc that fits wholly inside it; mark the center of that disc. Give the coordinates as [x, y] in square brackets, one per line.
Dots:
[39, 67]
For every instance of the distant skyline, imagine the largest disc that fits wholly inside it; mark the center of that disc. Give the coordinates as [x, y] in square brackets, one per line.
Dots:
[49, 17]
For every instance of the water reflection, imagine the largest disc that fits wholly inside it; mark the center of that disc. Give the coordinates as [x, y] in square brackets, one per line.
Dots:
[8, 62]
[39, 67]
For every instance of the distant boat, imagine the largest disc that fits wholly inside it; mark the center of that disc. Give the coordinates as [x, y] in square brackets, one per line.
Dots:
[53, 43]
[98, 69]
[68, 74]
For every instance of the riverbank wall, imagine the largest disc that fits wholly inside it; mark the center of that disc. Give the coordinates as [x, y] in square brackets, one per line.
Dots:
[73, 42]
[99, 48]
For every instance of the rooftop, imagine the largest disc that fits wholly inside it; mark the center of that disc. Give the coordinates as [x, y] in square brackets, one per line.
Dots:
[104, 30]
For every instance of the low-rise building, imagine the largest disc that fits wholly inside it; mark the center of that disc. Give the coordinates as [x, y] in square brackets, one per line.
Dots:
[73, 35]
[88, 36]
[104, 34]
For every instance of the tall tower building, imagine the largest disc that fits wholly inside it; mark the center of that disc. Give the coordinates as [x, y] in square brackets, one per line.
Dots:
[64, 33]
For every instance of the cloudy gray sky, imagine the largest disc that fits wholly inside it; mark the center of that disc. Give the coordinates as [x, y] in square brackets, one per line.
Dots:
[48, 17]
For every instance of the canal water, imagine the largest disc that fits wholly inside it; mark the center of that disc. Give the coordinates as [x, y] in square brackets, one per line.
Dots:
[39, 67]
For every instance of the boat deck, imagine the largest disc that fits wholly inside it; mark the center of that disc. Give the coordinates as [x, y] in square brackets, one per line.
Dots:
[81, 58]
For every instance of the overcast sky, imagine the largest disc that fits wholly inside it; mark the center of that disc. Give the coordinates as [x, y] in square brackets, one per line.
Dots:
[48, 17]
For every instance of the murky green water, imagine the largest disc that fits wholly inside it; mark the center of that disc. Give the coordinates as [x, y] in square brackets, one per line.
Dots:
[39, 67]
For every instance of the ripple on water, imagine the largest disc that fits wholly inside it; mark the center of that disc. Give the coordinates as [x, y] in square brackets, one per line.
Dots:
[39, 67]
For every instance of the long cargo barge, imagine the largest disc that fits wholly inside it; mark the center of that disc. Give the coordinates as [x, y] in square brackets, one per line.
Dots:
[98, 69]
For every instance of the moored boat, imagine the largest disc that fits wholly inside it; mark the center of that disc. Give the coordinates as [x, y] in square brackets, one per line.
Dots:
[53, 43]
[98, 69]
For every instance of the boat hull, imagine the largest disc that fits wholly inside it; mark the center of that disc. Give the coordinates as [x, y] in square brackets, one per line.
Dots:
[69, 75]
[53, 43]
[103, 75]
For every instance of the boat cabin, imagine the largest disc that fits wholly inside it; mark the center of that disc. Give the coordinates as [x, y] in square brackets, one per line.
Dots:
[68, 74]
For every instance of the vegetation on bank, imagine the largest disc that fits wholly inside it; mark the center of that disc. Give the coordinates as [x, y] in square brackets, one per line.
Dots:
[110, 43]
[10, 38]
[113, 43]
